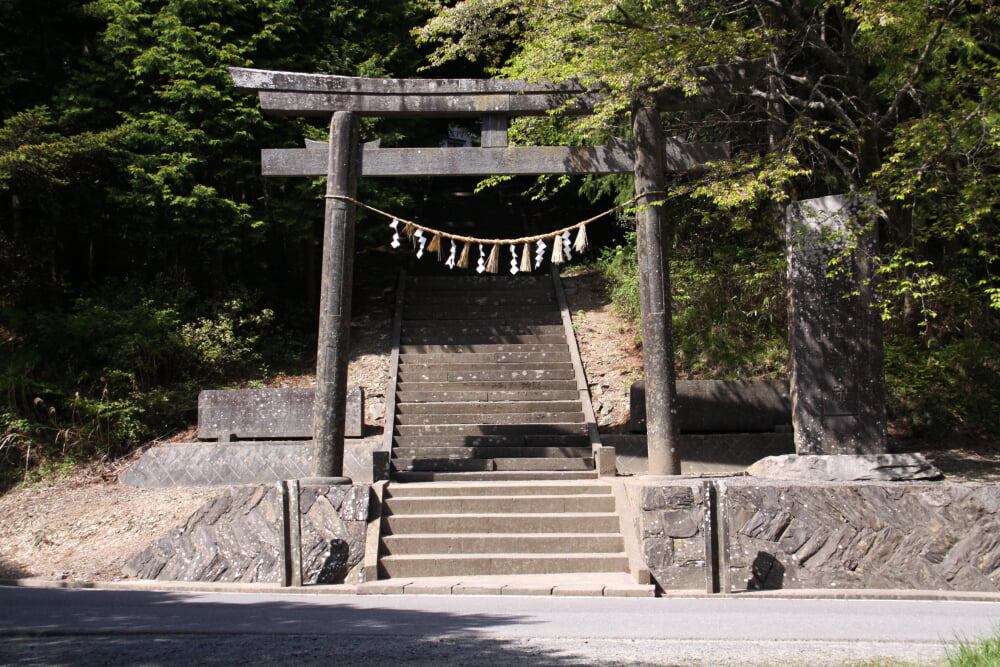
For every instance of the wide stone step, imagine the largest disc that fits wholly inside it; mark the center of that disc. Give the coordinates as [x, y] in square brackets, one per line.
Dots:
[563, 522]
[537, 299]
[556, 488]
[490, 386]
[437, 565]
[489, 452]
[404, 397]
[501, 543]
[514, 440]
[499, 504]
[486, 358]
[447, 339]
[487, 465]
[483, 348]
[497, 418]
[492, 429]
[412, 477]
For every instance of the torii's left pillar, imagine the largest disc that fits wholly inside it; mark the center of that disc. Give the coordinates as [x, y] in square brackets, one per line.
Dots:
[343, 167]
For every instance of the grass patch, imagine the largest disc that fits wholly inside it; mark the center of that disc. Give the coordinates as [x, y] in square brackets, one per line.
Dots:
[981, 653]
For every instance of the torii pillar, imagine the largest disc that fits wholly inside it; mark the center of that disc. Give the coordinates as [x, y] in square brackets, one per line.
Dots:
[343, 158]
[654, 241]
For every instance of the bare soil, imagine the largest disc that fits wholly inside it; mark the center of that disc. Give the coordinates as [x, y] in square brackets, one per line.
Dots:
[86, 526]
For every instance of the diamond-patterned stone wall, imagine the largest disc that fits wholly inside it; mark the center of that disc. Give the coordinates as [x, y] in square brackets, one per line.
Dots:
[774, 534]
[238, 537]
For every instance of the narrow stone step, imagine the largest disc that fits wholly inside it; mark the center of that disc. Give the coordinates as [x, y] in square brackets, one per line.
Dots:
[446, 339]
[478, 407]
[498, 543]
[485, 358]
[491, 298]
[491, 429]
[482, 348]
[477, 328]
[419, 476]
[485, 418]
[490, 386]
[563, 522]
[494, 374]
[488, 452]
[438, 565]
[462, 313]
[426, 464]
[405, 397]
[514, 440]
[418, 369]
[464, 282]
[497, 488]
[547, 504]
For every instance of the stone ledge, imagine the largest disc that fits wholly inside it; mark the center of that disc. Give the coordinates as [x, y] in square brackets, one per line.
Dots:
[846, 467]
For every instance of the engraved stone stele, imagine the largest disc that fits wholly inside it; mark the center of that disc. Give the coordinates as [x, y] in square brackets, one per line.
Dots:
[845, 467]
[835, 332]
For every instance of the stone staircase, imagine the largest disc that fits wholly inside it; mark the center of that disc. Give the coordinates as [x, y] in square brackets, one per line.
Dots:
[485, 384]
[492, 457]
[499, 528]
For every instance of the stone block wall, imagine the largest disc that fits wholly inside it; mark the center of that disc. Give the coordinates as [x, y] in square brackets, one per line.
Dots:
[246, 535]
[672, 519]
[768, 534]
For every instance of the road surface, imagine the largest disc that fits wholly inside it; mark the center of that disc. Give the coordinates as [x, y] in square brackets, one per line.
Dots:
[94, 627]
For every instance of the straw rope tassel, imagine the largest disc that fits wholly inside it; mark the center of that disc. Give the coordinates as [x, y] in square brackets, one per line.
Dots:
[557, 251]
[493, 263]
[581, 239]
[526, 258]
[435, 244]
[463, 259]
[409, 230]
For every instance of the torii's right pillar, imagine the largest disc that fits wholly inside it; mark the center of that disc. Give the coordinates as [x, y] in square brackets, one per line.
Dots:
[654, 243]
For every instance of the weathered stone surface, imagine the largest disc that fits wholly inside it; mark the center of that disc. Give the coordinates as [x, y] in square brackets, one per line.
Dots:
[224, 464]
[333, 520]
[846, 468]
[835, 330]
[232, 538]
[671, 516]
[236, 537]
[702, 452]
[862, 534]
[721, 406]
[261, 414]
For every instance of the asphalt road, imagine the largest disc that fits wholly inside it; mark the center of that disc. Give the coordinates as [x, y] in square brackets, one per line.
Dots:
[92, 627]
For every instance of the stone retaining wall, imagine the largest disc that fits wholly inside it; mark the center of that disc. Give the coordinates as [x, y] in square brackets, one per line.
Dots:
[771, 534]
[253, 534]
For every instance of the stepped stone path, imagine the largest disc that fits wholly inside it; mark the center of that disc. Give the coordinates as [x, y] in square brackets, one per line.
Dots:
[486, 383]
[492, 474]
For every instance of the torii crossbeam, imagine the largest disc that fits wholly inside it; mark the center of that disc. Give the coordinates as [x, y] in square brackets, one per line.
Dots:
[342, 160]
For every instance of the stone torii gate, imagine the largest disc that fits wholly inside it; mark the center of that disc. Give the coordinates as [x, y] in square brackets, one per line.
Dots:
[344, 99]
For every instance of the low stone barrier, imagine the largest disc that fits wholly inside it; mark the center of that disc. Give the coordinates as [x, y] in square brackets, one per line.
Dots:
[279, 533]
[722, 406]
[738, 534]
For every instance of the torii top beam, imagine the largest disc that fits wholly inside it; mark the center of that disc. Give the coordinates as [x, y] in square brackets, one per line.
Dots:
[299, 94]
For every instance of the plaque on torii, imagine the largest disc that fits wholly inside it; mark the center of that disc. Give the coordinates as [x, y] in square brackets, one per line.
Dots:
[342, 160]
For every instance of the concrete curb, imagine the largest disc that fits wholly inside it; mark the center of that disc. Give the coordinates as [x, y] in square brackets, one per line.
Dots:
[414, 586]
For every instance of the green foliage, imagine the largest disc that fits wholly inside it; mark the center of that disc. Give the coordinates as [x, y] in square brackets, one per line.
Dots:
[935, 388]
[728, 314]
[982, 653]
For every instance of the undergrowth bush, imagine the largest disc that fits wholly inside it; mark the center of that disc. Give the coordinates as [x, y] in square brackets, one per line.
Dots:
[729, 315]
[117, 367]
